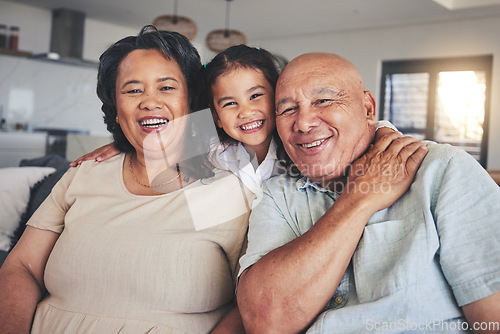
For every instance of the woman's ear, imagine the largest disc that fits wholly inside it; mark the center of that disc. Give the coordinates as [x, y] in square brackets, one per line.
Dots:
[370, 106]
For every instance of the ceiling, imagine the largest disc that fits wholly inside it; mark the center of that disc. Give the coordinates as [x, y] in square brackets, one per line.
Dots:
[263, 19]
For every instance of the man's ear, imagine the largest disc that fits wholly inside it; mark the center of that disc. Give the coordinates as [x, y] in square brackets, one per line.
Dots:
[370, 107]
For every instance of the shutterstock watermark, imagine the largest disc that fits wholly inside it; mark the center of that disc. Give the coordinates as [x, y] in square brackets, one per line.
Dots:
[373, 325]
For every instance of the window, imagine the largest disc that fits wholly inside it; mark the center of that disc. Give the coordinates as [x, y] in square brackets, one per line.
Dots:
[445, 100]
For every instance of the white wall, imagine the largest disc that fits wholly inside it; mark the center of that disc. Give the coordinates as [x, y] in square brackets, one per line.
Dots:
[42, 94]
[368, 48]
[365, 48]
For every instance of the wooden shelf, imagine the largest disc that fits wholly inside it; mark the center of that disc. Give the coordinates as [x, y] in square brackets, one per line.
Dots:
[17, 53]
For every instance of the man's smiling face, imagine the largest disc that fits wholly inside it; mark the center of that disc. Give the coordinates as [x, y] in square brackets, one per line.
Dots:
[324, 116]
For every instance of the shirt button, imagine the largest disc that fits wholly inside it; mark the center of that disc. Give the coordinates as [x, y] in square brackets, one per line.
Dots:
[338, 300]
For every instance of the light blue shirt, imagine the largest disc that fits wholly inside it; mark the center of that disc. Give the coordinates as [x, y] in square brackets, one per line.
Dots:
[436, 249]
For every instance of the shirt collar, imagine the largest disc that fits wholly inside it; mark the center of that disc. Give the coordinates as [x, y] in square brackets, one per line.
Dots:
[236, 149]
[303, 183]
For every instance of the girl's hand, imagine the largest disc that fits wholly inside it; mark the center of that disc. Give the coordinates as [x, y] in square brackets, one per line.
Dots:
[99, 154]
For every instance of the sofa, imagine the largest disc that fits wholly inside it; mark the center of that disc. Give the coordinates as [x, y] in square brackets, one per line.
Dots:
[22, 190]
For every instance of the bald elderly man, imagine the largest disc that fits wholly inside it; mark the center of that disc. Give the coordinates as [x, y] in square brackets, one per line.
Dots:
[330, 253]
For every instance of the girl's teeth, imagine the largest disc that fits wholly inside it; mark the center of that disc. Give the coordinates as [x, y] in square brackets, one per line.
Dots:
[252, 125]
[313, 144]
[153, 122]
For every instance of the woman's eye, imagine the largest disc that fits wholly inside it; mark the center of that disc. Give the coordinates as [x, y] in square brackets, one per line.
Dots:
[166, 88]
[133, 91]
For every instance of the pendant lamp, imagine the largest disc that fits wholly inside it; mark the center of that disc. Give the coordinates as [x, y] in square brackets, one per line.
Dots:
[220, 39]
[180, 24]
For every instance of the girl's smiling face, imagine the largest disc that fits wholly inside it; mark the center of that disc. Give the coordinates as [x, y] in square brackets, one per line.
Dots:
[244, 103]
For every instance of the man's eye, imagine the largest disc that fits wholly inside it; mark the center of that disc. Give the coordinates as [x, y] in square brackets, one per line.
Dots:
[286, 111]
[254, 96]
[322, 101]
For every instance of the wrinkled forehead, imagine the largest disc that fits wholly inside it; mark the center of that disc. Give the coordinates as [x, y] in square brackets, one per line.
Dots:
[314, 73]
[308, 83]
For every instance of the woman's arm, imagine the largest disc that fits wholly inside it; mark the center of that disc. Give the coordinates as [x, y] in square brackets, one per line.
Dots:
[99, 154]
[21, 279]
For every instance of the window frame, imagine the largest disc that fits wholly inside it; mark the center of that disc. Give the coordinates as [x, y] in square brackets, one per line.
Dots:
[433, 66]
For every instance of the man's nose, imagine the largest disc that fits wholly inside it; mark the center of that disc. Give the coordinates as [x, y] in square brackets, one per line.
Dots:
[305, 120]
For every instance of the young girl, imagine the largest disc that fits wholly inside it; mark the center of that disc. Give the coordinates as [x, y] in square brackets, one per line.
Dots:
[240, 94]
[241, 82]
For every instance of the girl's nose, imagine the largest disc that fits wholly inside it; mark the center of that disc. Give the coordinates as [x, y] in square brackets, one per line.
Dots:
[246, 111]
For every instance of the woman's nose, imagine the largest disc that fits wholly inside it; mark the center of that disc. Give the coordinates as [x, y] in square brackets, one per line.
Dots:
[151, 101]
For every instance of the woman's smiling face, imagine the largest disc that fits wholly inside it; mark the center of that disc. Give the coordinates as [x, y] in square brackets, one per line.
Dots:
[151, 92]
[244, 103]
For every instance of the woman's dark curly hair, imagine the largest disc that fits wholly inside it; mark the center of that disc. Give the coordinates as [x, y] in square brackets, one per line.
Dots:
[173, 45]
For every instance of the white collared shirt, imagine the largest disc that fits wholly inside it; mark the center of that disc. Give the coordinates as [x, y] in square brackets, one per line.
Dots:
[235, 157]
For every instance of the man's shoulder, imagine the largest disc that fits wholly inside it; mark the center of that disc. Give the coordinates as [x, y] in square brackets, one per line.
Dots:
[449, 164]
[441, 149]
[281, 182]
[442, 154]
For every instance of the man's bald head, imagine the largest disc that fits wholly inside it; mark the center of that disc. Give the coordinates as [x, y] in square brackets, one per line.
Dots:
[326, 63]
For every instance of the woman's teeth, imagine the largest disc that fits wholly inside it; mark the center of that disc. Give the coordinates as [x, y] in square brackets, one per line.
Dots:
[252, 125]
[313, 144]
[153, 122]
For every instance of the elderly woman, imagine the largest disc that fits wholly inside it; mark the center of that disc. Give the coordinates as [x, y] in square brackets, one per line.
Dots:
[135, 244]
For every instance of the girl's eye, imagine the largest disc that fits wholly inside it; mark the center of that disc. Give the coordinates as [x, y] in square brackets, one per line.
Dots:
[229, 104]
[254, 96]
